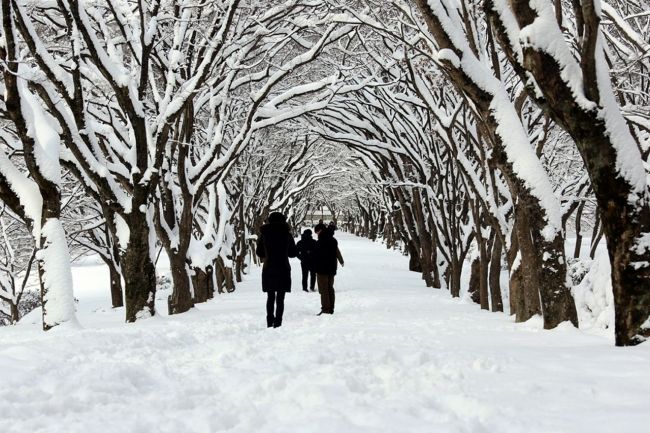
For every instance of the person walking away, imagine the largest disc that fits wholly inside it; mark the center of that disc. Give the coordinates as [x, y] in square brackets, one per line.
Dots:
[274, 246]
[306, 250]
[325, 264]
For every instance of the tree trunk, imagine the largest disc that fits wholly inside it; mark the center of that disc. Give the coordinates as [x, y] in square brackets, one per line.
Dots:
[202, 282]
[596, 236]
[455, 272]
[220, 274]
[495, 275]
[181, 298]
[425, 240]
[209, 270]
[515, 283]
[14, 313]
[414, 257]
[542, 255]
[117, 299]
[544, 268]
[483, 276]
[239, 267]
[229, 280]
[629, 255]
[55, 274]
[576, 251]
[528, 305]
[138, 269]
[434, 263]
[474, 280]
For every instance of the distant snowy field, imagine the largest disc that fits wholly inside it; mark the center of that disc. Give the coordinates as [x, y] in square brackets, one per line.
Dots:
[396, 357]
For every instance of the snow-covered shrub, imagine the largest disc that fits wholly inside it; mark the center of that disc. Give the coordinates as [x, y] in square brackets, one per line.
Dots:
[29, 301]
[593, 294]
[577, 269]
[163, 282]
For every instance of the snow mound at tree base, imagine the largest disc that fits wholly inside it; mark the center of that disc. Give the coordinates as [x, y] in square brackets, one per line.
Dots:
[593, 296]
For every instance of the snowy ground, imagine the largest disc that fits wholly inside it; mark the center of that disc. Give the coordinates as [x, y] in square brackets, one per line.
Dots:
[395, 357]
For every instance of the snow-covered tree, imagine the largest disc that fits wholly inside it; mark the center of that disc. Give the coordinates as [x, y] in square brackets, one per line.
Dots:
[30, 185]
[566, 70]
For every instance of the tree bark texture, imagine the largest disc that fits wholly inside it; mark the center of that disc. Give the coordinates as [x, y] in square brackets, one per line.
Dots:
[138, 269]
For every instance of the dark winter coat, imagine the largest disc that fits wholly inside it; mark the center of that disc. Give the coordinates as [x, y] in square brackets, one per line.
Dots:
[275, 245]
[327, 253]
[306, 250]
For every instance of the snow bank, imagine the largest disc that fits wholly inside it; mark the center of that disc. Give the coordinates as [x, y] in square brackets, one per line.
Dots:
[395, 357]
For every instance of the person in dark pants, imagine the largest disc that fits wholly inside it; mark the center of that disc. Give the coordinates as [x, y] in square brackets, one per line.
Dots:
[274, 246]
[306, 249]
[325, 263]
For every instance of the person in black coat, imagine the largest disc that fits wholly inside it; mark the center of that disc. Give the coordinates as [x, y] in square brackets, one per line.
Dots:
[306, 249]
[325, 264]
[274, 246]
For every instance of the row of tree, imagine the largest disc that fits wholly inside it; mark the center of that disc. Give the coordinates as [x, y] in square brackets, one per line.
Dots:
[490, 129]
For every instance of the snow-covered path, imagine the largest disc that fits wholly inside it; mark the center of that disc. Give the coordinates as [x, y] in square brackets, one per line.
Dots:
[396, 357]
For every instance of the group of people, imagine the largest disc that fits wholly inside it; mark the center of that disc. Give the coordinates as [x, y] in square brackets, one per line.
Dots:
[319, 260]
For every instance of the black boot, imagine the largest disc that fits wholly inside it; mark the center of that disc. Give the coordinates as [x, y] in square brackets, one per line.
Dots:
[270, 321]
[277, 322]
